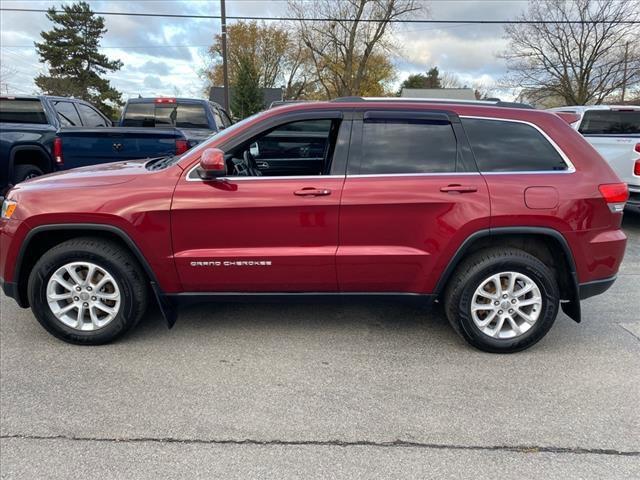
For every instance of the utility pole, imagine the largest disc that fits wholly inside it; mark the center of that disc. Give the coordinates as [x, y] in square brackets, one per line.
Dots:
[225, 70]
[626, 61]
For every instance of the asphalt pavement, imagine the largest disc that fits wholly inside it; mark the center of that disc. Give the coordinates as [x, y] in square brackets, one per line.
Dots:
[311, 391]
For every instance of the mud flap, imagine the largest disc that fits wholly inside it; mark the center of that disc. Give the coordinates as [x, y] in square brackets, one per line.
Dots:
[572, 309]
[571, 306]
[167, 308]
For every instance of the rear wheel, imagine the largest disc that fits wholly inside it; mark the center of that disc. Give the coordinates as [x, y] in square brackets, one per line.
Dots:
[24, 172]
[502, 300]
[87, 291]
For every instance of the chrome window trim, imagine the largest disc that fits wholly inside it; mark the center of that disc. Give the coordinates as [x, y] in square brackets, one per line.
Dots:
[433, 174]
[196, 178]
[192, 177]
[570, 167]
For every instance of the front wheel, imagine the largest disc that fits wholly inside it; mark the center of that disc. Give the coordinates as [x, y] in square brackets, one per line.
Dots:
[87, 291]
[502, 300]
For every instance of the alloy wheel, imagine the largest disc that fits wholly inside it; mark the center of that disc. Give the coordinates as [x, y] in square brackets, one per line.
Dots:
[83, 296]
[506, 305]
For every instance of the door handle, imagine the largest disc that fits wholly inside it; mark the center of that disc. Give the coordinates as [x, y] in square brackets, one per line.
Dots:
[312, 192]
[457, 188]
[262, 164]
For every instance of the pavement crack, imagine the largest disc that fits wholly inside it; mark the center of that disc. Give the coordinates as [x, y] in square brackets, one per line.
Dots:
[335, 443]
[627, 327]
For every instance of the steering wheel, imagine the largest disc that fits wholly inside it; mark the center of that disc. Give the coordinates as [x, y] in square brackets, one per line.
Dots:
[251, 164]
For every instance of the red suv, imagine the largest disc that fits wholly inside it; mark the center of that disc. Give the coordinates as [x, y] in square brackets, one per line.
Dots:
[500, 214]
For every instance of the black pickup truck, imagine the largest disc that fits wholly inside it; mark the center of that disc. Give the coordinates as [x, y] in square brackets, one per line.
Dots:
[43, 134]
[197, 119]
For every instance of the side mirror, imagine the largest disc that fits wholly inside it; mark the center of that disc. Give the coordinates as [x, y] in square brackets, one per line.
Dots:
[212, 164]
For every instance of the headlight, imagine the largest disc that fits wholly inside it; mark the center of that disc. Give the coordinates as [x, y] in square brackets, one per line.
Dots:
[8, 208]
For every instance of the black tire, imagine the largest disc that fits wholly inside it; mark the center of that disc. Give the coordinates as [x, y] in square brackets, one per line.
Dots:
[24, 172]
[110, 256]
[478, 267]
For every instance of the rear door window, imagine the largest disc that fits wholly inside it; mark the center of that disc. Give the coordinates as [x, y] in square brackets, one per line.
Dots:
[507, 146]
[13, 110]
[67, 114]
[610, 122]
[90, 116]
[397, 146]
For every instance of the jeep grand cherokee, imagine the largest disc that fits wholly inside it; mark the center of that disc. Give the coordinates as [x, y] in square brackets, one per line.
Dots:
[502, 215]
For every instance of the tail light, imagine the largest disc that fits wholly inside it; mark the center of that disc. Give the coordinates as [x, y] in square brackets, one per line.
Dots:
[165, 100]
[57, 151]
[181, 146]
[615, 194]
[637, 149]
[636, 168]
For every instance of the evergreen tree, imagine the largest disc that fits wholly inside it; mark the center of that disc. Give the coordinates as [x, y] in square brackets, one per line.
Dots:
[75, 65]
[433, 78]
[247, 94]
[417, 80]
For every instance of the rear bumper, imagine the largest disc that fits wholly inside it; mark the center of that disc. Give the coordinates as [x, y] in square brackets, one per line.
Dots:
[634, 199]
[595, 287]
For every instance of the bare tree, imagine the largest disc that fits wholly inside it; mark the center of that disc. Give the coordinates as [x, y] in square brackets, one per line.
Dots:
[579, 62]
[450, 80]
[6, 73]
[346, 52]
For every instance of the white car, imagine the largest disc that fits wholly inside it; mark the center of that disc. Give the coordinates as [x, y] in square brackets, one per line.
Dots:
[614, 131]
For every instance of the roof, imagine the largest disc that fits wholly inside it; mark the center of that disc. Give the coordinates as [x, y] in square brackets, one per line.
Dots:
[462, 108]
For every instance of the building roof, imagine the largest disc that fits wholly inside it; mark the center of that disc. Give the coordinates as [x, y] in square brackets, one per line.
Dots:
[444, 93]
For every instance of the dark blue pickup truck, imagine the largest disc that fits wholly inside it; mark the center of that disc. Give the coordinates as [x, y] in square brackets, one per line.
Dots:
[196, 119]
[43, 134]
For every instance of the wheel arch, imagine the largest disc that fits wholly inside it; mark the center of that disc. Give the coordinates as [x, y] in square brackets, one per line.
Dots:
[44, 161]
[42, 238]
[541, 242]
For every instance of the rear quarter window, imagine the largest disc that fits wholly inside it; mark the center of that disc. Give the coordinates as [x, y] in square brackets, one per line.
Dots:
[22, 111]
[508, 146]
[610, 122]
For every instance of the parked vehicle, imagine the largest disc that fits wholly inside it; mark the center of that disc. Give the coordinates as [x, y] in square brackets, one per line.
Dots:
[196, 119]
[614, 131]
[502, 215]
[45, 134]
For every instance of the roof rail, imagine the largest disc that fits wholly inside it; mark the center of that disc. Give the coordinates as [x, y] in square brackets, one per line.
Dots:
[492, 102]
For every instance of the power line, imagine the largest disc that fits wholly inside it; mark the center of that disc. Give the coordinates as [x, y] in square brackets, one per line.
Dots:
[316, 19]
[121, 46]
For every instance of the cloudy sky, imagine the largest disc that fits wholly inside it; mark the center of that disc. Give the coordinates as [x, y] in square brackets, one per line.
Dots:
[163, 56]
